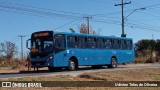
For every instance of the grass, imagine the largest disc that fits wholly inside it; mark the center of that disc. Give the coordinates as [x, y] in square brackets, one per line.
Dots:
[12, 65]
[150, 74]
[126, 75]
[157, 78]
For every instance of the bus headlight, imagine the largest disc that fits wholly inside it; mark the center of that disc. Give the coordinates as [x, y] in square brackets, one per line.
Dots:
[49, 58]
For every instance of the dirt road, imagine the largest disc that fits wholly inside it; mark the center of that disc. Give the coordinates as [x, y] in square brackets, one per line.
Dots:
[75, 73]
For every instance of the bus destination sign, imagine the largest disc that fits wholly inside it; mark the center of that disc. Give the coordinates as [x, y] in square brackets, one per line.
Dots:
[41, 34]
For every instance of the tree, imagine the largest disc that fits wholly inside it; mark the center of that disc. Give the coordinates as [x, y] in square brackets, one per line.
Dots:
[8, 49]
[147, 48]
[152, 45]
[158, 45]
[84, 29]
[91, 31]
[142, 45]
[146, 44]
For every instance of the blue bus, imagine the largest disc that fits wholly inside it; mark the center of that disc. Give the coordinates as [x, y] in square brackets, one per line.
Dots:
[61, 49]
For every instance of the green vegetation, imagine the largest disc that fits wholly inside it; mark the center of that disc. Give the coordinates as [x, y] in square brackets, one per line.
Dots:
[147, 51]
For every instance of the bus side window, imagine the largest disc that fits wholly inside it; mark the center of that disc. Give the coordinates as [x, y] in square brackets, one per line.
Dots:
[100, 43]
[115, 44]
[76, 42]
[122, 45]
[81, 42]
[129, 44]
[108, 43]
[72, 42]
[86, 42]
[91, 42]
[94, 45]
[60, 42]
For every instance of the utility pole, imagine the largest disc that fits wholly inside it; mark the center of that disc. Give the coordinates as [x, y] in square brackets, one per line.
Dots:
[21, 36]
[153, 36]
[122, 4]
[87, 17]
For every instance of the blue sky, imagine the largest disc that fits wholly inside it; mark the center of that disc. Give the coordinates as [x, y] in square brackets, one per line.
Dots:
[141, 24]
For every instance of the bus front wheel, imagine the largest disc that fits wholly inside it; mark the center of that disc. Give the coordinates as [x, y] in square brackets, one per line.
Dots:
[113, 63]
[72, 65]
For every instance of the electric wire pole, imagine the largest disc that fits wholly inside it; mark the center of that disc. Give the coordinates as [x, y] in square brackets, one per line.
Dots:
[122, 4]
[153, 36]
[21, 36]
[87, 17]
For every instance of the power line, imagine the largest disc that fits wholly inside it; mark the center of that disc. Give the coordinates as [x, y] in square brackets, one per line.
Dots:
[117, 12]
[35, 11]
[151, 26]
[46, 13]
[40, 8]
[149, 8]
[66, 24]
[73, 24]
[132, 25]
[105, 21]
[32, 14]
[100, 1]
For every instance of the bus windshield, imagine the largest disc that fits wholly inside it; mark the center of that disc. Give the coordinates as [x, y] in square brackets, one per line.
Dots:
[42, 45]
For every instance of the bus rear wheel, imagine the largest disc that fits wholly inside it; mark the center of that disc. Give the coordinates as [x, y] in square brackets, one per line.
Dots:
[72, 65]
[113, 63]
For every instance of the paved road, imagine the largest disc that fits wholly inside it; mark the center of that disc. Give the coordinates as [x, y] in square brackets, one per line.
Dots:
[75, 73]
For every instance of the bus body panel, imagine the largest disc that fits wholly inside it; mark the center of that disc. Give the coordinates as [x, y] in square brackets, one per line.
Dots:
[60, 59]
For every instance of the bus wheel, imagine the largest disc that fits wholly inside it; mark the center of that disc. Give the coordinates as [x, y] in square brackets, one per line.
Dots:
[72, 65]
[113, 63]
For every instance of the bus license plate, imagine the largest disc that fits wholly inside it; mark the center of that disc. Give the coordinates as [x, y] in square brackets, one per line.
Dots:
[37, 63]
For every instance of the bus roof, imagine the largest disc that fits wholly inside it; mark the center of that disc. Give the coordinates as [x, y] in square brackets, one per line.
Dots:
[81, 34]
[94, 35]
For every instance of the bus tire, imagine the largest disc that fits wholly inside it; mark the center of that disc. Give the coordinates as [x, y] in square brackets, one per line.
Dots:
[72, 65]
[113, 63]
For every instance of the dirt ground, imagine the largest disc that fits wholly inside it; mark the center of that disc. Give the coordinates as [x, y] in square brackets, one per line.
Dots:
[8, 70]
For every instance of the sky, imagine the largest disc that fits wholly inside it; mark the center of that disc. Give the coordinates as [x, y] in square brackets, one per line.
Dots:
[23, 17]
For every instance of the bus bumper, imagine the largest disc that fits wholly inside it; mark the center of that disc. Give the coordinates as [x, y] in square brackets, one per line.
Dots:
[42, 62]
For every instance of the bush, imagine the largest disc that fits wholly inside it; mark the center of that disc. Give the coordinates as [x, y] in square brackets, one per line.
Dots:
[15, 64]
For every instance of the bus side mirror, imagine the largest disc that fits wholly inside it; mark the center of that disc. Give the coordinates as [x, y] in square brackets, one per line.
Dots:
[28, 44]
